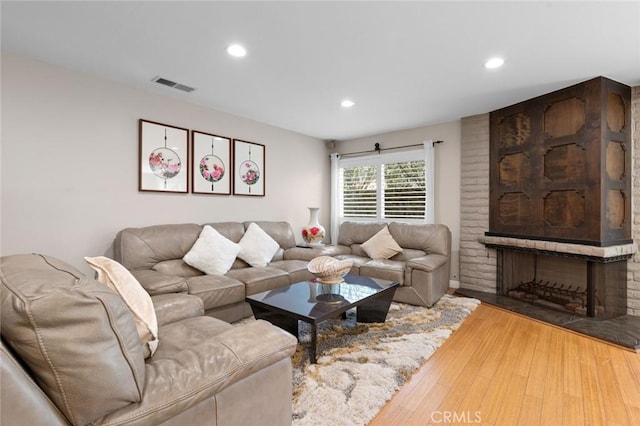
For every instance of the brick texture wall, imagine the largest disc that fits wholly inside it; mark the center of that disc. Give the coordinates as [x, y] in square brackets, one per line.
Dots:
[478, 264]
[633, 281]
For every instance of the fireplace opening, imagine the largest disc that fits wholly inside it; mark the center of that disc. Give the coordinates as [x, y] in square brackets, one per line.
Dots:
[581, 285]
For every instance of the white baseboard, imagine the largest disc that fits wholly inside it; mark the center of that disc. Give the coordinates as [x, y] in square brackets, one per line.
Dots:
[454, 284]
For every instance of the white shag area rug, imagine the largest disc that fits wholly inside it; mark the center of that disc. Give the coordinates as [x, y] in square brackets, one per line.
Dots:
[360, 366]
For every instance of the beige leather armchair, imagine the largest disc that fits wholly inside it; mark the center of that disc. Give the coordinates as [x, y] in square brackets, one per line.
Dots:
[71, 355]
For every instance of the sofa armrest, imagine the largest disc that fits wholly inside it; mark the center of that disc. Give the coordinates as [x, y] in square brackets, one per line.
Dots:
[428, 263]
[308, 253]
[191, 376]
[23, 401]
[172, 307]
[158, 283]
[428, 279]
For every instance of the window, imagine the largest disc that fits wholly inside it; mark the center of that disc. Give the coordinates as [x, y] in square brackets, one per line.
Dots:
[383, 187]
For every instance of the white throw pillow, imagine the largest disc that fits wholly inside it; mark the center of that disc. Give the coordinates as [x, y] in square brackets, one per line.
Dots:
[257, 248]
[382, 245]
[212, 253]
[119, 279]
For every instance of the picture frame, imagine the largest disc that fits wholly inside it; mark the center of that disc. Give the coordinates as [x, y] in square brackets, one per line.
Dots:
[211, 167]
[163, 157]
[249, 168]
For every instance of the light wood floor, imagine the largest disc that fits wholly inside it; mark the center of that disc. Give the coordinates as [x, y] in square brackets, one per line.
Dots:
[500, 368]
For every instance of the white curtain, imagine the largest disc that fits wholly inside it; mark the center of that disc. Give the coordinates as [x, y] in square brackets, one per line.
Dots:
[335, 193]
[429, 177]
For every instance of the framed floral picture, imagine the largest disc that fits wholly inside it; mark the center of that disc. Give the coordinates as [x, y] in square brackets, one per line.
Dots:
[163, 157]
[248, 166]
[211, 167]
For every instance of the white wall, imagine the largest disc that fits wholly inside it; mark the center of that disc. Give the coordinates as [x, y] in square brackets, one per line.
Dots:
[70, 164]
[447, 162]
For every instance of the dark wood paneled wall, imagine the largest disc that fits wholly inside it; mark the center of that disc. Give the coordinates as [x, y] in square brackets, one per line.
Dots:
[560, 166]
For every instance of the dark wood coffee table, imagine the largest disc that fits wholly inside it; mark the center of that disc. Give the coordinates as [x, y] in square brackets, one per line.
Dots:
[313, 302]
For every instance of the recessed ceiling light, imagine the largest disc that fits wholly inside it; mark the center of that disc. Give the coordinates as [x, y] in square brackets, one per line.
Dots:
[347, 103]
[494, 63]
[236, 50]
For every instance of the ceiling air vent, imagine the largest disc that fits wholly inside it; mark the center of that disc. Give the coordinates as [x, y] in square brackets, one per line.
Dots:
[173, 84]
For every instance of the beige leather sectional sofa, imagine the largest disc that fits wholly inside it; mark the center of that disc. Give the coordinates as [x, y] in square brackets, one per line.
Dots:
[154, 255]
[71, 354]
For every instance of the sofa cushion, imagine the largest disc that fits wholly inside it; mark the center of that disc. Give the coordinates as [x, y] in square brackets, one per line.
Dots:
[281, 232]
[257, 280]
[176, 306]
[176, 267]
[76, 335]
[120, 280]
[158, 283]
[384, 269]
[408, 254]
[232, 230]
[430, 238]
[357, 232]
[141, 248]
[257, 248]
[297, 269]
[187, 333]
[356, 260]
[381, 245]
[216, 290]
[215, 357]
[212, 253]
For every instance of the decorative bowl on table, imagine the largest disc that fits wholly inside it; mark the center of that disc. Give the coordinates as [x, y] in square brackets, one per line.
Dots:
[329, 270]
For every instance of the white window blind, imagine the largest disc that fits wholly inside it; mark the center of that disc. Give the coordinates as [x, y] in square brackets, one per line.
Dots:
[359, 185]
[382, 187]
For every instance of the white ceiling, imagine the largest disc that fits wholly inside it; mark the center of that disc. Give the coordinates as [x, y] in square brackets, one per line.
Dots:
[405, 64]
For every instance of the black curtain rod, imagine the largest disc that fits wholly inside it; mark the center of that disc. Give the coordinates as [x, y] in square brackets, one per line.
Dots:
[377, 148]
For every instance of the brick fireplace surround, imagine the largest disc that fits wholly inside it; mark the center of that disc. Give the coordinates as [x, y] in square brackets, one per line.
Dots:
[478, 264]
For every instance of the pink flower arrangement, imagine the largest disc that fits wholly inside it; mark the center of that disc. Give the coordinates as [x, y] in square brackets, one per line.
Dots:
[155, 160]
[213, 174]
[312, 234]
[313, 231]
[162, 167]
[251, 175]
